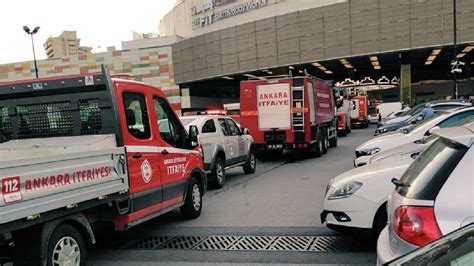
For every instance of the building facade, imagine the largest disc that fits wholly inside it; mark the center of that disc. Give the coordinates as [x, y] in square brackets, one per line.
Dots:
[66, 44]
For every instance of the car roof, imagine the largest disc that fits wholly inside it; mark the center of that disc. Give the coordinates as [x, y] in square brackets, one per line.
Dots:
[448, 102]
[463, 135]
[201, 117]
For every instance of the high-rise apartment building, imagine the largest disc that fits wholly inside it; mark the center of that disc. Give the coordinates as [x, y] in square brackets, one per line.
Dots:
[66, 44]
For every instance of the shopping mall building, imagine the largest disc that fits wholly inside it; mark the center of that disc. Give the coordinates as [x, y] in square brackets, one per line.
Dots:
[375, 44]
[396, 49]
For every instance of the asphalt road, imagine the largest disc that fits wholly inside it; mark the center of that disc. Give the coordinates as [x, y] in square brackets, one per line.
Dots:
[283, 198]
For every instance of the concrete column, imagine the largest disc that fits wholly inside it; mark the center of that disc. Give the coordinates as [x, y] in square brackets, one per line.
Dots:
[405, 79]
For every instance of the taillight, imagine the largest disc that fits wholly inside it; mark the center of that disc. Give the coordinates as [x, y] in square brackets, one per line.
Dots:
[416, 225]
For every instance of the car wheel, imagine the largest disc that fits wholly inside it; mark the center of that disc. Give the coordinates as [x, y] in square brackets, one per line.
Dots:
[66, 247]
[251, 164]
[218, 174]
[380, 221]
[193, 202]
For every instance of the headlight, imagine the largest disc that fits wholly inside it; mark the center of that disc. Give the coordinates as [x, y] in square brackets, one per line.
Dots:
[369, 152]
[345, 190]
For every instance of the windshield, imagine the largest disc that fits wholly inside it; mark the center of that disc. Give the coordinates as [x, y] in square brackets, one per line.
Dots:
[419, 124]
[188, 121]
[416, 110]
[425, 176]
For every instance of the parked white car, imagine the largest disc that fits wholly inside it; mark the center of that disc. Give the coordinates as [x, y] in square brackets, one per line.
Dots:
[224, 145]
[411, 134]
[356, 199]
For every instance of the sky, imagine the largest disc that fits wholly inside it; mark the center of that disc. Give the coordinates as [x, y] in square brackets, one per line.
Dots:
[99, 23]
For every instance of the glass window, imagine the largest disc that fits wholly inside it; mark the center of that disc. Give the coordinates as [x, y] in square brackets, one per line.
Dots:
[169, 126]
[224, 127]
[234, 129]
[209, 127]
[188, 121]
[136, 115]
[428, 173]
[455, 119]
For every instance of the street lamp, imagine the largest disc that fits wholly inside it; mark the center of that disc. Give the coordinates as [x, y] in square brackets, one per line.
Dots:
[35, 30]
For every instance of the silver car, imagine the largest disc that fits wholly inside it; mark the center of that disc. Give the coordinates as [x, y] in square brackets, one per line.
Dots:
[433, 197]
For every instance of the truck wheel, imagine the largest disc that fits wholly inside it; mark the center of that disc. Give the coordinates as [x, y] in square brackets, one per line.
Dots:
[193, 202]
[333, 142]
[251, 164]
[317, 147]
[325, 140]
[66, 247]
[342, 133]
[218, 174]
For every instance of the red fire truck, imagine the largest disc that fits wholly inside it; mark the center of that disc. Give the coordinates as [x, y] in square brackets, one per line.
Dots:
[294, 113]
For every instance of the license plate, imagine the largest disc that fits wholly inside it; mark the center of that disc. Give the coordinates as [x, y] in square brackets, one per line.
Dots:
[274, 146]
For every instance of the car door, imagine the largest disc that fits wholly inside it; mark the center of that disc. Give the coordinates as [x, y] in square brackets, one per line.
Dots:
[209, 138]
[143, 160]
[228, 143]
[174, 155]
[238, 144]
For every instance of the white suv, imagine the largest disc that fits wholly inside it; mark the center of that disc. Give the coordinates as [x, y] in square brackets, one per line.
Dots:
[224, 145]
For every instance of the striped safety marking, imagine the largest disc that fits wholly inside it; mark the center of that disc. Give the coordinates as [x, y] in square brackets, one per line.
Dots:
[300, 110]
[157, 149]
[248, 113]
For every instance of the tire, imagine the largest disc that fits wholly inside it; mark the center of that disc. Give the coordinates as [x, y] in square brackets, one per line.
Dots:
[66, 241]
[380, 221]
[193, 202]
[325, 140]
[251, 164]
[333, 142]
[218, 174]
[342, 133]
[317, 147]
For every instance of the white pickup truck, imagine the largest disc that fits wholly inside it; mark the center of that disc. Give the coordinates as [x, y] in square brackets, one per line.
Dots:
[84, 149]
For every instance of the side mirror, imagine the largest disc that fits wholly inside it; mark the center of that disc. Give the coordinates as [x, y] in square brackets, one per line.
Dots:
[245, 131]
[193, 135]
[433, 129]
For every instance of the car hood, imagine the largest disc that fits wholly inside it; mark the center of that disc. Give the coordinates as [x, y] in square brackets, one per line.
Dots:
[386, 141]
[406, 149]
[376, 169]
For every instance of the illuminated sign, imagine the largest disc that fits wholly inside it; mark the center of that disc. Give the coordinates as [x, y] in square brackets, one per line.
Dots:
[207, 5]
